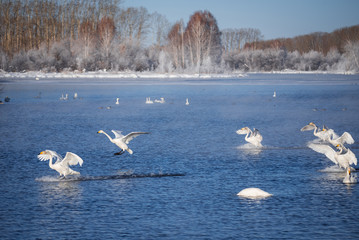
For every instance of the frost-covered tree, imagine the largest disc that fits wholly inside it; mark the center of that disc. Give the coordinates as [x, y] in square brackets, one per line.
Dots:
[61, 56]
[202, 39]
[351, 56]
[105, 36]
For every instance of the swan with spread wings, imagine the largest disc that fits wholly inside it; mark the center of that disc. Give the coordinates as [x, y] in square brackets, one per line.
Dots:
[121, 141]
[344, 157]
[62, 164]
[253, 137]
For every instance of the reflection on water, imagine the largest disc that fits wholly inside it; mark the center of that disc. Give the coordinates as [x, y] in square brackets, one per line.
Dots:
[54, 192]
[249, 149]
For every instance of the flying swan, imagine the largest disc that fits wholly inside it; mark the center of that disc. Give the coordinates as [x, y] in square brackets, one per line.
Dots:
[61, 165]
[254, 137]
[253, 193]
[121, 141]
[344, 157]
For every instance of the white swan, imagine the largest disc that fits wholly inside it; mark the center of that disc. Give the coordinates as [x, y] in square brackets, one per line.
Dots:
[349, 177]
[322, 135]
[344, 157]
[61, 165]
[149, 101]
[117, 101]
[254, 137]
[162, 100]
[121, 141]
[335, 140]
[253, 193]
[187, 102]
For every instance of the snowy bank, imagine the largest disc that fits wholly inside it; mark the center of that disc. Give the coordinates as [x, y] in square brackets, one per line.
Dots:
[113, 75]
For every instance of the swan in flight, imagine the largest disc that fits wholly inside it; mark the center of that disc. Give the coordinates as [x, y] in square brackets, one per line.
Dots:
[322, 135]
[61, 165]
[253, 193]
[121, 141]
[349, 177]
[254, 137]
[343, 157]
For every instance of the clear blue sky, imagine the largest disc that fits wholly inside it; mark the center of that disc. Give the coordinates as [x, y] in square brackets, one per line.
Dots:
[274, 18]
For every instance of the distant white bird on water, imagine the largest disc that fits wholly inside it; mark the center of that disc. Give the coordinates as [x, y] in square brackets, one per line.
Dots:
[61, 165]
[149, 101]
[117, 101]
[254, 137]
[187, 102]
[274, 94]
[121, 141]
[253, 193]
[162, 100]
[344, 157]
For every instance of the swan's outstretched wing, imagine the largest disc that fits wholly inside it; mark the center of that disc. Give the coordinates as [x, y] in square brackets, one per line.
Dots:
[257, 135]
[118, 134]
[72, 159]
[50, 154]
[307, 128]
[345, 138]
[324, 149]
[132, 135]
[351, 157]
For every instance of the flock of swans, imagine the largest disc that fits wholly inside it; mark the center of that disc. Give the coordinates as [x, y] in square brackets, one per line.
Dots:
[326, 138]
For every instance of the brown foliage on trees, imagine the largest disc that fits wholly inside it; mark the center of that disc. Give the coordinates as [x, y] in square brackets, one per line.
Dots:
[318, 41]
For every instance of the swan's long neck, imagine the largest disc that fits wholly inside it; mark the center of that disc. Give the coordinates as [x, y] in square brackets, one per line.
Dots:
[50, 162]
[315, 129]
[107, 136]
[340, 151]
[248, 132]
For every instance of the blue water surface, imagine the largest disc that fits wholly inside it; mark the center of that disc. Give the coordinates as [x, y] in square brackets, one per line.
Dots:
[182, 180]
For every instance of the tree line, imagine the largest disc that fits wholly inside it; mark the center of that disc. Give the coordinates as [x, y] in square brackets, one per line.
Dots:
[89, 35]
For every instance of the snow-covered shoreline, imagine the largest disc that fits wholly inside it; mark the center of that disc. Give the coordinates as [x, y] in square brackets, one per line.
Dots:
[113, 75]
[37, 75]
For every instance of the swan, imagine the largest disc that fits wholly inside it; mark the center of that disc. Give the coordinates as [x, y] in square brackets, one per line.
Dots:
[162, 100]
[254, 137]
[117, 101]
[121, 141]
[349, 178]
[61, 165]
[274, 94]
[335, 140]
[187, 102]
[149, 101]
[253, 193]
[344, 157]
[323, 135]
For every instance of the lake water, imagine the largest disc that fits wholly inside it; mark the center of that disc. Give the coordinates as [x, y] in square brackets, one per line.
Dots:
[182, 180]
